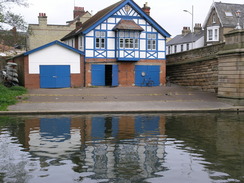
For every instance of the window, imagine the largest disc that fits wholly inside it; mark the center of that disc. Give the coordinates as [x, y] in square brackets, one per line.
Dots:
[210, 35]
[151, 41]
[81, 43]
[100, 39]
[175, 48]
[187, 46]
[128, 39]
[182, 47]
[228, 14]
[213, 33]
[216, 31]
[169, 51]
[214, 19]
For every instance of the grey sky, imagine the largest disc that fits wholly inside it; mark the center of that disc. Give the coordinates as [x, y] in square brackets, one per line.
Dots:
[168, 13]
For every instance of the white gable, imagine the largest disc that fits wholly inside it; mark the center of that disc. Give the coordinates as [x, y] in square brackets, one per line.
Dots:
[54, 55]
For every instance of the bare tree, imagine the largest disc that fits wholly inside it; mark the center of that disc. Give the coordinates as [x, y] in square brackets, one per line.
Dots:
[9, 18]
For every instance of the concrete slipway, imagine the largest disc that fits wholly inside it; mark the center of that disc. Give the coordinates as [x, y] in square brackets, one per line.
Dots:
[118, 100]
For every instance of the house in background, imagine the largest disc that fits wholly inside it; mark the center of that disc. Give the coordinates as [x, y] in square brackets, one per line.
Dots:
[220, 20]
[43, 33]
[123, 46]
[187, 40]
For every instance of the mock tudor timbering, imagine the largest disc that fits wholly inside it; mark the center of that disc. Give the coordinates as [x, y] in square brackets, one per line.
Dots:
[123, 46]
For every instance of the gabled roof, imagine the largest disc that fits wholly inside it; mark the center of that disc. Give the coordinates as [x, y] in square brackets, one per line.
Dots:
[226, 13]
[128, 25]
[107, 12]
[188, 38]
[53, 43]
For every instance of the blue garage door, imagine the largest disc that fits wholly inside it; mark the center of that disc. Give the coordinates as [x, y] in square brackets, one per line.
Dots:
[99, 73]
[54, 76]
[147, 75]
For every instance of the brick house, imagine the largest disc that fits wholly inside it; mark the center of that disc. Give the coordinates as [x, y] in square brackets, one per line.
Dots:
[53, 65]
[220, 20]
[123, 46]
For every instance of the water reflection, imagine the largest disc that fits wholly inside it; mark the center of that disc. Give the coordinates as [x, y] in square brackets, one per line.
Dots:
[123, 148]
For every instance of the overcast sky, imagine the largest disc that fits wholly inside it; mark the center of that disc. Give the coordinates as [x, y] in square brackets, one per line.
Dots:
[168, 13]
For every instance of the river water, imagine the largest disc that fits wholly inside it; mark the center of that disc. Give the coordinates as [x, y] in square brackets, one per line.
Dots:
[157, 148]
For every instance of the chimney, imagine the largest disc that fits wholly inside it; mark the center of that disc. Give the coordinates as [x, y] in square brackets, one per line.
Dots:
[186, 30]
[197, 28]
[42, 18]
[78, 25]
[78, 11]
[146, 8]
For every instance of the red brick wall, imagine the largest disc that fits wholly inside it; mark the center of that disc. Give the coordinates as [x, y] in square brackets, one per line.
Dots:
[126, 70]
[32, 81]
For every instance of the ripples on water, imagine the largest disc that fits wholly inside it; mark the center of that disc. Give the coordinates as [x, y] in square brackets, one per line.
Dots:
[171, 148]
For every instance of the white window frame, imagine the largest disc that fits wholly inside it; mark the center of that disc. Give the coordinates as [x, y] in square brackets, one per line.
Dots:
[213, 34]
[100, 39]
[151, 41]
[81, 43]
[129, 39]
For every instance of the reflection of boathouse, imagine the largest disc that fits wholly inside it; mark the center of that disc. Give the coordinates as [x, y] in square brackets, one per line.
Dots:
[103, 144]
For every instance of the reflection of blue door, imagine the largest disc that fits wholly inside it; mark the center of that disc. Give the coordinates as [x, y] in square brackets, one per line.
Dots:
[104, 127]
[55, 129]
[54, 76]
[147, 75]
[147, 124]
[99, 75]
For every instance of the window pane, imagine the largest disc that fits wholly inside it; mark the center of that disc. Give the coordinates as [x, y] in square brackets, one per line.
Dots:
[121, 45]
[97, 34]
[153, 36]
[102, 34]
[127, 43]
[131, 34]
[97, 43]
[136, 34]
[149, 45]
[102, 43]
[149, 36]
[210, 34]
[136, 43]
[131, 43]
[121, 34]
[154, 44]
[126, 34]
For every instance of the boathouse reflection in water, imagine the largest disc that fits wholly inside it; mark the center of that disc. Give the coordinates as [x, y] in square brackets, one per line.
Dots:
[123, 148]
[92, 143]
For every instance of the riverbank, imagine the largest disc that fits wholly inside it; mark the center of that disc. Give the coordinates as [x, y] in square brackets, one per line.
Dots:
[118, 100]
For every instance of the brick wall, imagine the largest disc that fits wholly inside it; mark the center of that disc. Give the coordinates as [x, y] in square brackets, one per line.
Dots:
[126, 75]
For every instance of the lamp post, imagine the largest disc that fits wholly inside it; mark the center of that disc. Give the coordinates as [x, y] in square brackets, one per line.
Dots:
[238, 15]
[192, 20]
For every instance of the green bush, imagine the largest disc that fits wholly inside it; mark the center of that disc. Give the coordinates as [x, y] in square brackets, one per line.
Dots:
[8, 96]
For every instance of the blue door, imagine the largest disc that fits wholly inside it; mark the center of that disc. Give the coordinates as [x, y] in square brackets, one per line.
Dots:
[115, 79]
[99, 75]
[54, 76]
[147, 75]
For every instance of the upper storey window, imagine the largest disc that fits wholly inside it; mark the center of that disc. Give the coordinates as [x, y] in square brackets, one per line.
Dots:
[151, 41]
[100, 39]
[128, 39]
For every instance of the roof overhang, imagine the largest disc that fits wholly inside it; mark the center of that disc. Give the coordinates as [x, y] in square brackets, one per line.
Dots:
[127, 25]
